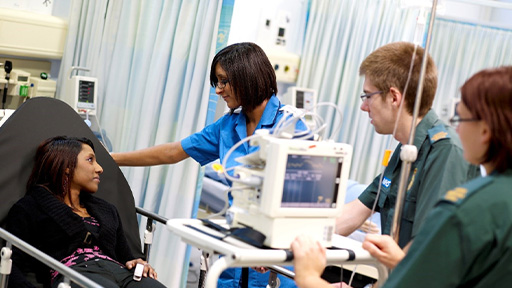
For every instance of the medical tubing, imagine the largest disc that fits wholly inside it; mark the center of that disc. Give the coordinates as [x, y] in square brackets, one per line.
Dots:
[226, 202]
[411, 67]
[338, 128]
[284, 122]
[385, 162]
[101, 133]
[405, 89]
[226, 157]
[352, 276]
[406, 165]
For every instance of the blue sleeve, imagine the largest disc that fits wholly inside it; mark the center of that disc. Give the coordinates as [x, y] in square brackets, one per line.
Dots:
[203, 146]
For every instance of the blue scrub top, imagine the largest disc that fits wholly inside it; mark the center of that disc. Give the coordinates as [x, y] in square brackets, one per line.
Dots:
[215, 140]
[212, 143]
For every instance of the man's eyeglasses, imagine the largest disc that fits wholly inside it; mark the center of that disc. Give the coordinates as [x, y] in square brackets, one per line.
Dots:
[222, 83]
[366, 96]
[455, 120]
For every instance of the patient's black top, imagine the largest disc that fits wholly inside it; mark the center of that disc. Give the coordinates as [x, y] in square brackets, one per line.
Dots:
[52, 227]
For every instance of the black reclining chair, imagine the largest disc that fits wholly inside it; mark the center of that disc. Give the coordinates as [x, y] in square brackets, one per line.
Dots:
[39, 119]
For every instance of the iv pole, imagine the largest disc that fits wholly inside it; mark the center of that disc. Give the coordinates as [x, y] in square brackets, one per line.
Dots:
[409, 152]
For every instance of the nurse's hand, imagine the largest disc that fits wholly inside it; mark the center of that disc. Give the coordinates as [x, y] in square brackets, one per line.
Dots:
[384, 248]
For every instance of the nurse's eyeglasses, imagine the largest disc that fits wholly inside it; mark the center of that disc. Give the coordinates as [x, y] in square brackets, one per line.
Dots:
[455, 120]
[366, 96]
[222, 83]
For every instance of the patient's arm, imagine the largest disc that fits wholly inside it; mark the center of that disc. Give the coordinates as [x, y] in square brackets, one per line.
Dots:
[353, 216]
[168, 153]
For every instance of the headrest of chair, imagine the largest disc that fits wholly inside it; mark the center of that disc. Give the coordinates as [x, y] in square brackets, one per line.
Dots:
[41, 118]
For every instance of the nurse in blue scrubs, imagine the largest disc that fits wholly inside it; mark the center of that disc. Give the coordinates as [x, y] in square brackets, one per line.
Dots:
[245, 79]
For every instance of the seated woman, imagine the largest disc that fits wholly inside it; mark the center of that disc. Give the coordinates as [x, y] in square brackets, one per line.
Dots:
[60, 216]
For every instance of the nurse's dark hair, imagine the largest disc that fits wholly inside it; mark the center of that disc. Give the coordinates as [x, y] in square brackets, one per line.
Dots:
[250, 73]
[488, 97]
[55, 163]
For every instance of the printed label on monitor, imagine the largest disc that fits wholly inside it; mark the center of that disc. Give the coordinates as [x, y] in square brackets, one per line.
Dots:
[311, 182]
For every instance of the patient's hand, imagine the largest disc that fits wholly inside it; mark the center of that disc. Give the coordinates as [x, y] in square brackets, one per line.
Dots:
[369, 227]
[384, 248]
[148, 270]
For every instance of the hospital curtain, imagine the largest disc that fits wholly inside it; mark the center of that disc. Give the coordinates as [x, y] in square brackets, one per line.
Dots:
[341, 33]
[461, 49]
[152, 61]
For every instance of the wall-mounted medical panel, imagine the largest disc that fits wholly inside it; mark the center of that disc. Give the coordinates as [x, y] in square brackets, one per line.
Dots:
[286, 65]
[27, 34]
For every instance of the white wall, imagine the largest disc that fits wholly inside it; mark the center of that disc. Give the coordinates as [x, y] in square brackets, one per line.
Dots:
[479, 13]
[249, 23]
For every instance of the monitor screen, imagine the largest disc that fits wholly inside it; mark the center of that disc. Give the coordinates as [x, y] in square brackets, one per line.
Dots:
[86, 91]
[311, 181]
[299, 99]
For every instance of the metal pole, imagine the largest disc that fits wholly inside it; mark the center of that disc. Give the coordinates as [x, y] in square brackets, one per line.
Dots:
[406, 165]
[76, 277]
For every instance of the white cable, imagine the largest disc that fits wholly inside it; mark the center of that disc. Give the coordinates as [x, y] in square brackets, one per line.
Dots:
[226, 202]
[395, 128]
[101, 133]
[352, 276]
[230, 151]
[338, 128]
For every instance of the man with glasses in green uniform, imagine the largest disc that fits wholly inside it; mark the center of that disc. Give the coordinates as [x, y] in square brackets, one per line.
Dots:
[439, 166]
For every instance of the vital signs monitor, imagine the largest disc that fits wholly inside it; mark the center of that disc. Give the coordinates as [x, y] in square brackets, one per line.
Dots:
[294, 187]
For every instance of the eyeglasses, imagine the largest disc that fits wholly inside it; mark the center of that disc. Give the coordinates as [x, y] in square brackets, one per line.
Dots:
[366, 96]
[455, 120]
[222, 83]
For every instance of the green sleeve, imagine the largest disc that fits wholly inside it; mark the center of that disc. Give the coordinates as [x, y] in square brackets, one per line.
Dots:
[369, 194]
[435, 257]
[445, 168]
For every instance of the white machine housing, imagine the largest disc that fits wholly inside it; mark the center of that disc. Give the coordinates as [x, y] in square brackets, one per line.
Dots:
[17, 79]
[301, 191]
[303, 99]
[81, 92]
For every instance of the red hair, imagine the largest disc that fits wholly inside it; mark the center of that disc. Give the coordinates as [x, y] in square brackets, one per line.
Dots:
[488, 97]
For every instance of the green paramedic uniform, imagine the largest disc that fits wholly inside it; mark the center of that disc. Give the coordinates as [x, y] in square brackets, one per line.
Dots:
[466, 240]
[439, 167]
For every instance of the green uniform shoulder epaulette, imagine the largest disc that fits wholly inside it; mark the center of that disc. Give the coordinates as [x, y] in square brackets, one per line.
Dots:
[437, 133]
[459, 194]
